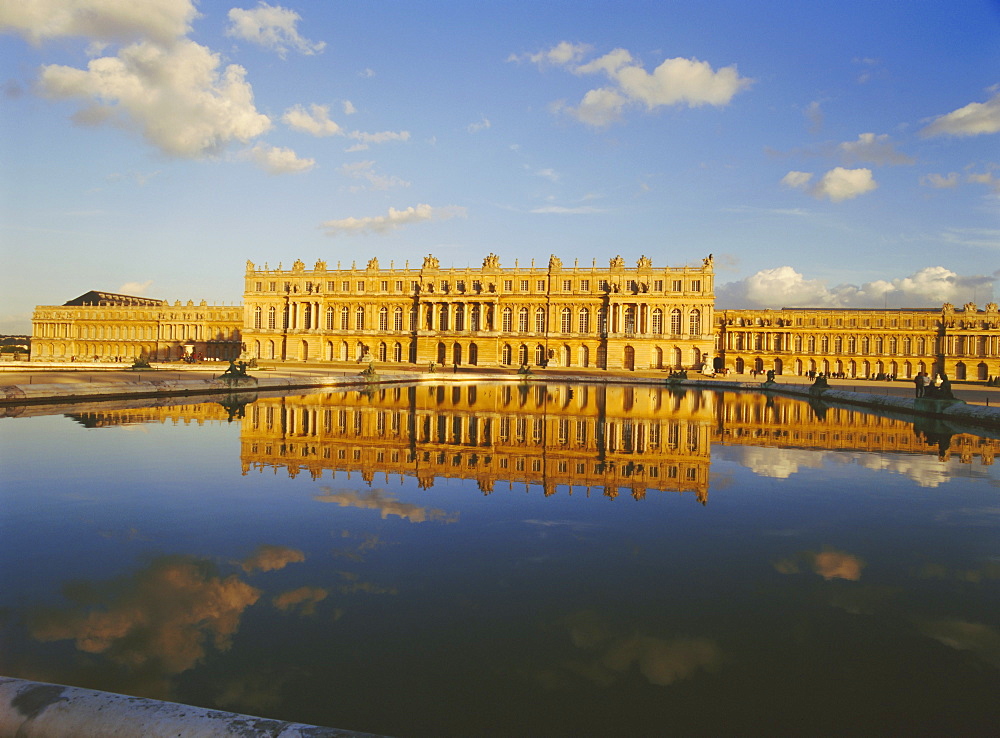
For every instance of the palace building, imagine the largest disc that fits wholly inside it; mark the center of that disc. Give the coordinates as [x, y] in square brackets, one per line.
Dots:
[608, 317]
[613, 317]
[105, 326]
[964, 344]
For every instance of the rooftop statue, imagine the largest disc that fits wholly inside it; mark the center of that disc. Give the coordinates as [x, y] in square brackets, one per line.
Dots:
[492, 261]
[431, 262]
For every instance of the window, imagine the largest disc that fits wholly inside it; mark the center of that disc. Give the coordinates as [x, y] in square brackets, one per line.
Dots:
[385, 285]
[329, 318]
[657, 321]
[524, 285]
[567, 285]
[540, 320]
[584, 320]
[272, 317]
[361, 286]
[584, 285]
[257, 316]
[345, 317]
[477, 285]
[658, 285]
[460, 285]
[414, 286]
[359, 318]
[603, 286]
[460, 317]
[397, 320]
[675, 285]
[272, 286]
[399, 285]
[696, 285]
[508, 285]
[675, 322]
[632, 286]
[694, 323]
[475, 318]
[345, 286]
[522, 320]
[508, 321]
[383, 318]
[541, 285]
[330, 286]
[566, 320]
[444, 285]
[259, 286]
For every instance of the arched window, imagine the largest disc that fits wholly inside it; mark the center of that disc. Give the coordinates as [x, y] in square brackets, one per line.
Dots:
[921, 347]
[345, 319]
[522, 320]
[473, 354]
[540, 320]
[584, 320]
[329, 318]
[475, 320]
[675, 322]
[838, 345]
[383, 319]
[879, 345]
[443, 318]
[694, 323]
[892, 345]
[824, 344]
[397, 351]
[522, 354]
[630, 319]
[383, 353]
[272, 318]
[506, 355]
[460, 317]
[865, 347]
[852, 345]
[307, 316]
[258, 315]
[508, 321]
[584, 356]
[397, 320]
[657, 321]
[811, 345]
[566, 320]
[539, 355]
[359, 318]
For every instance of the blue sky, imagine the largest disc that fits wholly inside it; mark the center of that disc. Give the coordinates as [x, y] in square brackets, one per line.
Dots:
[835, 154]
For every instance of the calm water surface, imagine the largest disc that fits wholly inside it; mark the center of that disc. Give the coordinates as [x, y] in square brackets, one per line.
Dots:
[510, 561]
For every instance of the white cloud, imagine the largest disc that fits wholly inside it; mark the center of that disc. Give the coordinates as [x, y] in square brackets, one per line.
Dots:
[175, 97]
[940, 181]
[366, 139]
[272, 27]
[986, 178]
[874, 149]
[796, 180]
[677, 81]
[99, 20]
[480, 125]
[315, 121]
[277, 160]
[971, 120]
[561, 54]
[349, 108]
[785, 287]
[837, 185]
[814, 114]
[391, 221]
[363, 170]
[135, 288]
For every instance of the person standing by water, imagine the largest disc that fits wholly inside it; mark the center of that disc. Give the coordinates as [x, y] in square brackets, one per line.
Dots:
[918, 382]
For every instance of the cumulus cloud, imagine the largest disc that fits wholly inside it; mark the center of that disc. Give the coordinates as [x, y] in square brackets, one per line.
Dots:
[278, 160]
[836, 185]
[940, 181]
[676, 81]
[272, 27]
[391, 221]
[873, 149]
[268, 557]
[386, 505]
[315, 121]
[785, 287]
[135, 288]
[366, 139]
[99, 20]
[176, 98]
[156, 623]
[480, 125]
[364, 170]
[971, 120]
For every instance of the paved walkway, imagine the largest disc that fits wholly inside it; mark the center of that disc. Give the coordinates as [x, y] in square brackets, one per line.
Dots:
[974, 393]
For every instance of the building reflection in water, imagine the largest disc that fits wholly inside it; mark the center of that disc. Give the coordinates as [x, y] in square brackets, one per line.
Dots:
[611, 439]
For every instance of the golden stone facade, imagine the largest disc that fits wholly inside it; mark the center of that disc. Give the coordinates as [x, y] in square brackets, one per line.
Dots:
[962, 343]
[105, 326]
[613, 317]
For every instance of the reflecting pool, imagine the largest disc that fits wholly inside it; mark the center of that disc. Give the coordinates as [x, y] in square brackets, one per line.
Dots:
[502, 559]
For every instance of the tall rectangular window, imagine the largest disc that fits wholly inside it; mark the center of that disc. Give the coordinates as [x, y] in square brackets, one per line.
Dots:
[567, 285]
[584, 285]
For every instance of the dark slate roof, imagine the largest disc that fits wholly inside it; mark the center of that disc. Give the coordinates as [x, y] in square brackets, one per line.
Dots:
[96, 297]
